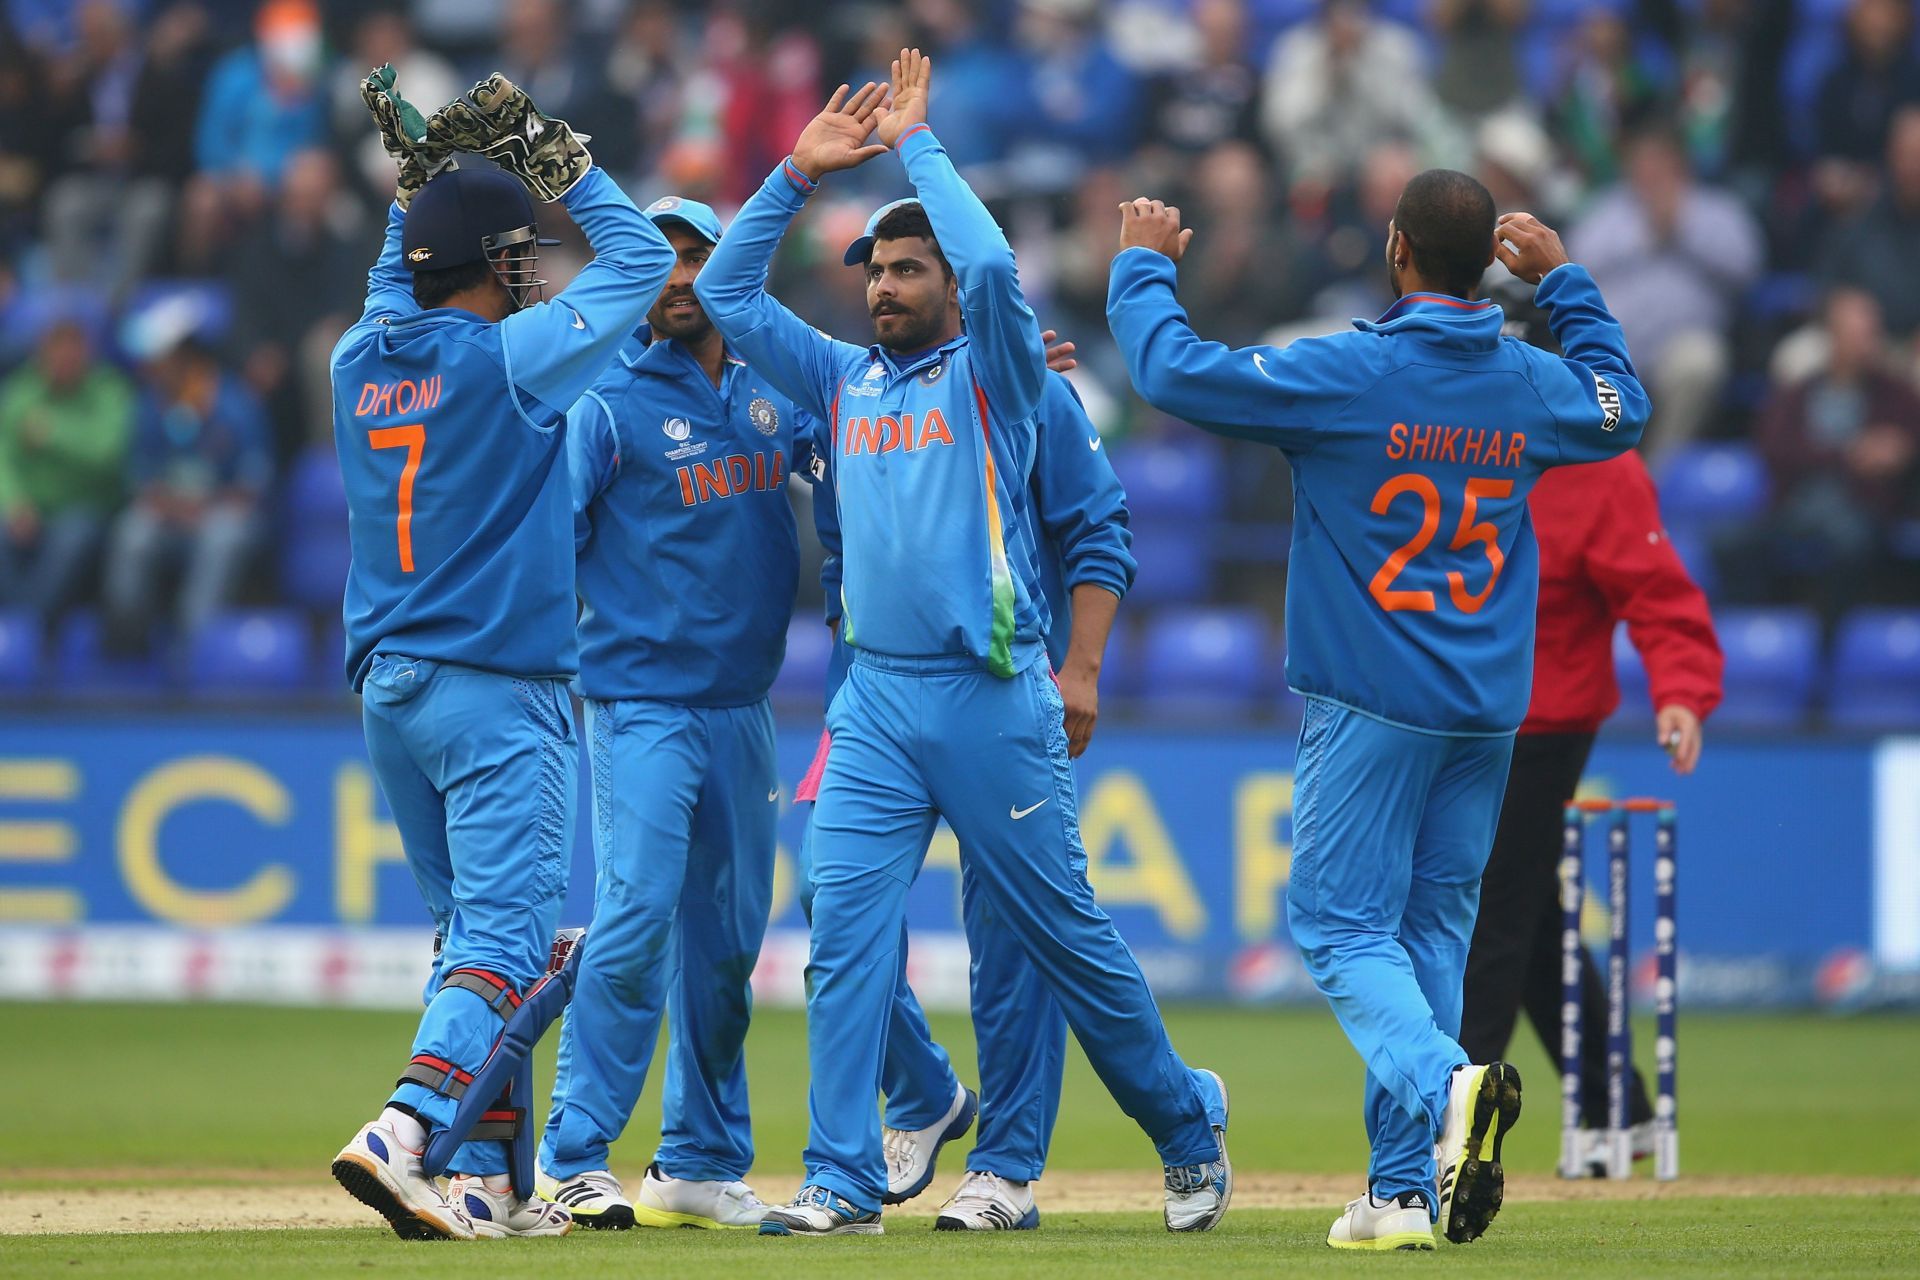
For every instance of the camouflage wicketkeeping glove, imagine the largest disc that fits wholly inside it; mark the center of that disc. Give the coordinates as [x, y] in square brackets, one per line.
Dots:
[497, 120]
[404, 134]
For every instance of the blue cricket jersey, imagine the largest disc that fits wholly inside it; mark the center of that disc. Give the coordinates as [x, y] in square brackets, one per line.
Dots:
[931, 453]
[1081, 510]
[1414, 442]
[451, 438]
[688, 554]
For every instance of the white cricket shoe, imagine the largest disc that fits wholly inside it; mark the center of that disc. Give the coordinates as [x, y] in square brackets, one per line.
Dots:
[1482, 1104]
[1403, 1222]
[379, 1172]
[594, 1197]
[687, 1202]
[1197, 1194]
[817, 1211]
[910, 1153]
[496, 1214]
[989, 1202]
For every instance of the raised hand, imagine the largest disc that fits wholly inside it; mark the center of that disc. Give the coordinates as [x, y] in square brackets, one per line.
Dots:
[837, 137]
[497, 119]
[912, 78]
[1527, 246]
[404, 135]
[1155, 225]
[1059, 354]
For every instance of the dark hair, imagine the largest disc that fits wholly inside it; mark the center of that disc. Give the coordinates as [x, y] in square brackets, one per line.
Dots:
[433, 288]
[904, 223]
[1447, 218]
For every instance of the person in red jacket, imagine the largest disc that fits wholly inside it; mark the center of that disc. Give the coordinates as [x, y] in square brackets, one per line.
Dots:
[1604, 559]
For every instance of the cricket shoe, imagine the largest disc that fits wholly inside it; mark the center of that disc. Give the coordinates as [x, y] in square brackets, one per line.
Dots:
[1482, 1104]
[379, 1172]
[1404, 1221]
[688, 1202]
[817, 1211]
[989, 1202]
[1197, 1194]
[594, 1198]
[910, 1153]
[1593, 1145]
[494, 1213]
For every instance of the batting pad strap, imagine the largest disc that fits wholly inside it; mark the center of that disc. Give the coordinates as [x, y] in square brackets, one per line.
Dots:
[491, 987]
[438, 1075]
[498, 1124]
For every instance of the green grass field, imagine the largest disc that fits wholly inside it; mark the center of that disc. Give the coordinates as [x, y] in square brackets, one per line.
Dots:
[1805, 1123]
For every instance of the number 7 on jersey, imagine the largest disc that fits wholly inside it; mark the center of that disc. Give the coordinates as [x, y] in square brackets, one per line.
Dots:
[412, 437]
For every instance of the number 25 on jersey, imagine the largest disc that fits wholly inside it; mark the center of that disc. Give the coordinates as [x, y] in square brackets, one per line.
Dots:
[1469, 532]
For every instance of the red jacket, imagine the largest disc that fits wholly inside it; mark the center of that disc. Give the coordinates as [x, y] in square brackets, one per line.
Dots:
[1604, 558]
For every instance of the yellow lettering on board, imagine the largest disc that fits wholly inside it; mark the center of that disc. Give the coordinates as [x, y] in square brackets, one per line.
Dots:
[362, 840]
[183, 782]
[1262, 861]
[1118, 809]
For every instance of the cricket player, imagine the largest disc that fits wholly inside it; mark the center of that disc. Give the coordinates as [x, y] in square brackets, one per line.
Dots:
[450, 401]
[1410, 602]
[1086, 560]
[949, 708]
[688, 560]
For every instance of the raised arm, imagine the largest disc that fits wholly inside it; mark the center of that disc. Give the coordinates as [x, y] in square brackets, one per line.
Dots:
[1081, 506]
[389, 283]
[1601, 406]
[556, 349]
[1001, 328]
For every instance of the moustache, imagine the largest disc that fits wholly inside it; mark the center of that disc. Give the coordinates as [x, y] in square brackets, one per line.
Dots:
[673, 299]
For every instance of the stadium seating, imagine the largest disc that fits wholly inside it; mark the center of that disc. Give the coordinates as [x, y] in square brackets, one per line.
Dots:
[1205, 661]
[314, 554]
[83, 668]
[1704, 486]
[803, 676]
[244, 651]
[19, 651]
[1163, 480]
[1773, 661]
[1876, 670]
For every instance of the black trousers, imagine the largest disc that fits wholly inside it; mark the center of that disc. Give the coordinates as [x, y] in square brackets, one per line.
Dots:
[1515, 958]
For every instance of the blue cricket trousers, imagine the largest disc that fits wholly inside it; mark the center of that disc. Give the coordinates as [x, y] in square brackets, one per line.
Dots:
[914, 740]
[479, 771]
[684, 803]
[1020, 1041]
[1391, 830]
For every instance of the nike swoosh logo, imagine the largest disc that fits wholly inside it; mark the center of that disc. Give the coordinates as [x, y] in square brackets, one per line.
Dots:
[773, 795]
[1017, 814]
[1094, 444]
[578, 323]
[1261, 364]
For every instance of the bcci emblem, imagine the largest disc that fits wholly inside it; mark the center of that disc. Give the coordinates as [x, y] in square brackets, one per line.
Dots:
[765, 418]
[934, 372]
[677, 428]
[665, 204]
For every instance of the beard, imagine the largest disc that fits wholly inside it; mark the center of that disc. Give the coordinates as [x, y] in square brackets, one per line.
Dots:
[906, 330]
[684, 324]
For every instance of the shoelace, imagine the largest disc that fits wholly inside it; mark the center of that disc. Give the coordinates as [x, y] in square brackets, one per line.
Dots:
[1187, 1179]
[975, 1188]
[898, 1147]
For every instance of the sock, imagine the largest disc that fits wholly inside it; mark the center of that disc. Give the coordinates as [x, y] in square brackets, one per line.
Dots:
[407, 1128]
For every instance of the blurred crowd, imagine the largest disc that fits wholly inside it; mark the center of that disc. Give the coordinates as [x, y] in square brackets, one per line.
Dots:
[191, 191]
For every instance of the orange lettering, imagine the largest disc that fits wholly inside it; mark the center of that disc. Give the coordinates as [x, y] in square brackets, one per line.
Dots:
[686, 487]
[934, 428]
[1516, 448]
[739, 473]
[1397, 441]
[367, 393]
[711, 479]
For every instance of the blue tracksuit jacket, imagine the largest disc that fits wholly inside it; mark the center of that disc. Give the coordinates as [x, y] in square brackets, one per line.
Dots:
[1414, 442]
[687, 575]
[931, 455]
[457, 499]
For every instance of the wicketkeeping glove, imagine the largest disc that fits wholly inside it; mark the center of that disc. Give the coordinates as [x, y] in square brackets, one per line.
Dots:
[497, 120]
[404, 134]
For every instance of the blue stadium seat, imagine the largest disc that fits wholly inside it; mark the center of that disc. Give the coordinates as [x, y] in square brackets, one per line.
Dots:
[19, 651]
[803, 676]
[1632, 675]
[1174, 563]
[1773, 657]
[82, 667]
[314, 552]
[1185, 481]
[1205, 660]
[1876, 670]
[1703, 486]
[245, 651]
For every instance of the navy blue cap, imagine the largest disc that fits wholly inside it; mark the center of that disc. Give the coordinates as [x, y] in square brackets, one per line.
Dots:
[452, 215]
[700, 218]
[862, 247]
